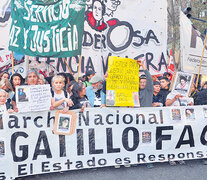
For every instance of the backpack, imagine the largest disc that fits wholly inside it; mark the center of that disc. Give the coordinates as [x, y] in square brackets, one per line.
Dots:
[65, 93]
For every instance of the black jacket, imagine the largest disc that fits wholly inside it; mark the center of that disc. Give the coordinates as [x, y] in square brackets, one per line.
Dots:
[201, 98]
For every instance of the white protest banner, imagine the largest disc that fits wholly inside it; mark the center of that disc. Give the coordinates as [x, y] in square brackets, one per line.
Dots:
[139, 32]
[191, 45]
[102, 137]
[33, 98]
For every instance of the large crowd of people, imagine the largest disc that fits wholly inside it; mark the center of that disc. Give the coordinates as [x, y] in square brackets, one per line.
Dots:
[90, 90]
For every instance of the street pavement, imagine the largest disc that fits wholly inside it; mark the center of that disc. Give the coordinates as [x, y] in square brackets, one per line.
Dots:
[192, 170]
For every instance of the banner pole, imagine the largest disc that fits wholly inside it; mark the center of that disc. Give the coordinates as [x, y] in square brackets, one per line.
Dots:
[79, 68]
[12, 62]
[68, 66]
[201, 61]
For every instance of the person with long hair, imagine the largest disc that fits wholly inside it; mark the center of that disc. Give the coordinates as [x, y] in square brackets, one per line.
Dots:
[16, 80]
[79, 97]
[4, 75]
[6, 85]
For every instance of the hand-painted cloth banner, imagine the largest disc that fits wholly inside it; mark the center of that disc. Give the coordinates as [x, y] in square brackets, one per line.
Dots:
[122, 84]
[51, 28]
[102, 137]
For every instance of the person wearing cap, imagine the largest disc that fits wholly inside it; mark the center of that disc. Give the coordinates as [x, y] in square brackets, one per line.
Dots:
[94, 93]
[158, 99]
[202, 96]
[164, 91]
[89, 75]
[145, 87]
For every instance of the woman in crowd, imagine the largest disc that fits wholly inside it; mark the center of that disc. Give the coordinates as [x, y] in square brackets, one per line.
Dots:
[16, 80]
[6, 85]
[4, 75]
[69, 87]
[5, 105]
[60, 98]
[79, 97]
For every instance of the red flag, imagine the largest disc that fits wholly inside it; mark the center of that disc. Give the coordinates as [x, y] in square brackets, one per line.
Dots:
[171, 67]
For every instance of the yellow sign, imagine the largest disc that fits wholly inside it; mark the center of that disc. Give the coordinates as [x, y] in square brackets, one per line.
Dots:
[122, 84]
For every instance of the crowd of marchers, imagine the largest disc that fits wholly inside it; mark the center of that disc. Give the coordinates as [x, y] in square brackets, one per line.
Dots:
[90, 90]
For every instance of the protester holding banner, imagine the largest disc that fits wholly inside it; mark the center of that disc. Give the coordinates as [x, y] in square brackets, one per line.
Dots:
[4, 75]
[69, 87]
[6, 85]
[79, 97]
[145, 87]
[4, 104]
[60, 98]
[164, 82]
[202, 96]
[176, 99]
[158, 99]
[94, 93]
[16, 80]
[32, 77]
[89, 75]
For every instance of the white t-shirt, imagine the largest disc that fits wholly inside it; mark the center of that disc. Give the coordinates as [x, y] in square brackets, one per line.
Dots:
[182, 101]
[58, 97]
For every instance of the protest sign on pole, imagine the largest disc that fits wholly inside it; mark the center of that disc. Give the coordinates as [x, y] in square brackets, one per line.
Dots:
[191, 45]
[33, 98]
[122, 83]
[47, 28]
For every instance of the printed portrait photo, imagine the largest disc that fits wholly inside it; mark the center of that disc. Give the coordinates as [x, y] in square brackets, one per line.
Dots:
[64, 123]
[22, 94]
[176, 114]
[146, 137]
[110, 97]
[136, 99]
[182, 83]
[2, 149]
[190, 114]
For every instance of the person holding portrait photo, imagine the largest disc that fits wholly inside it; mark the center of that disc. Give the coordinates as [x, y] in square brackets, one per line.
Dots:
[60, 98]
[176, 99]
[183, 85]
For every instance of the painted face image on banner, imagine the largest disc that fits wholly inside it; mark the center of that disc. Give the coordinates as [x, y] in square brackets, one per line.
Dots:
[95, 18]
[111, 6]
